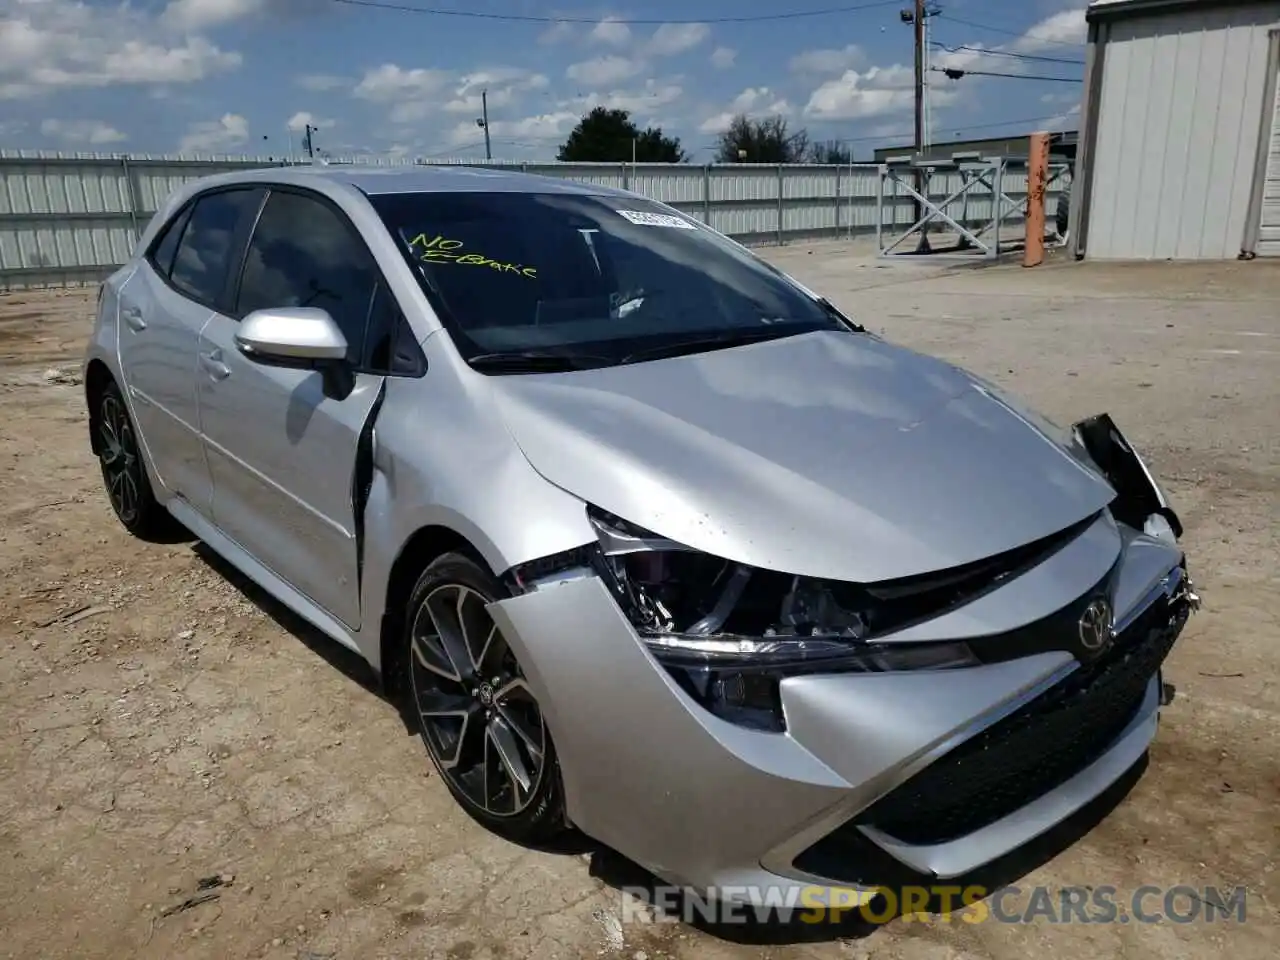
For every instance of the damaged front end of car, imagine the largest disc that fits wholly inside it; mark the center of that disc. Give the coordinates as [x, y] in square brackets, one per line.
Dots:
[729, 634]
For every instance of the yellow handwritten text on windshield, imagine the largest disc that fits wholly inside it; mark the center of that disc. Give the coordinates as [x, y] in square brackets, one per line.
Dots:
[439, 249]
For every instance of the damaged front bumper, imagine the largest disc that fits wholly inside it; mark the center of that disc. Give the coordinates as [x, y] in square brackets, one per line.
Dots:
[870, 773]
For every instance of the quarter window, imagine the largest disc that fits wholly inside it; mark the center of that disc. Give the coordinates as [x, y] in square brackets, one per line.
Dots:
[205, 251]
[162, 253]
[303, 254]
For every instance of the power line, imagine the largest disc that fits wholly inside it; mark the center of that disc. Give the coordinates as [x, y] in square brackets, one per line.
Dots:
[1006, 32]
[521, 18]
[1007, 53]
[955, 74]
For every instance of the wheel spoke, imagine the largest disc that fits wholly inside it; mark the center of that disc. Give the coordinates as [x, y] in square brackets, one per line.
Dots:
[508, 751]
[443, 609]
[431, 654]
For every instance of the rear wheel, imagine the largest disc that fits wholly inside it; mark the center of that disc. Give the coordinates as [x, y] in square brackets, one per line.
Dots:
[481, 723]
[123, 473]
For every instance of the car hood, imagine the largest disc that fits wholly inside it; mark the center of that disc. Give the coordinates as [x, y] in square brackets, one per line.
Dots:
[829, 455]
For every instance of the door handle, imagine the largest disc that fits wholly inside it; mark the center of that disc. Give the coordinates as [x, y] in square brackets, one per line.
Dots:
[133, 317]
[214, 366]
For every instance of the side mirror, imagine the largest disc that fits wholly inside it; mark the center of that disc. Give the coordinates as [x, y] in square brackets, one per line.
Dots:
[291, 334]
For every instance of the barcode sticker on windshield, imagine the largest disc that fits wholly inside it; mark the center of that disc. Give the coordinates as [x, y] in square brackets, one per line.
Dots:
[656, 219]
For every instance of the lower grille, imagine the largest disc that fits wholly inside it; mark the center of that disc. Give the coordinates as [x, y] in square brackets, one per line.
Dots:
[1030, 752]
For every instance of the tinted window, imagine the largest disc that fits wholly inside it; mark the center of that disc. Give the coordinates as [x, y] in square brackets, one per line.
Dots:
[513, 271]
[303, 254]
[392, 346]
[205, 251]
[163, 250]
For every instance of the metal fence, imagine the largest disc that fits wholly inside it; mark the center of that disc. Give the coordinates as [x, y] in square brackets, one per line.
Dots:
[69, 219]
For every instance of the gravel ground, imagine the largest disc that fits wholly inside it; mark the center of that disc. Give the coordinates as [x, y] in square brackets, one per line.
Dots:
[164, 722]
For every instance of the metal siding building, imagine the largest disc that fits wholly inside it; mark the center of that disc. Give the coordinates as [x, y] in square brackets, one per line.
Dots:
[1180, 142]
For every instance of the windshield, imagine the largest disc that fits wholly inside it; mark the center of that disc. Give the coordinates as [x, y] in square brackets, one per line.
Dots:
[601, 278]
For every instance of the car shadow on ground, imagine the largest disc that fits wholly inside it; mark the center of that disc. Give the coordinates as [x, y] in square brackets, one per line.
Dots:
[347, 662]
[629, 879]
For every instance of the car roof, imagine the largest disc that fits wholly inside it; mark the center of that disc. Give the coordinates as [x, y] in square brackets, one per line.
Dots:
[452, 178]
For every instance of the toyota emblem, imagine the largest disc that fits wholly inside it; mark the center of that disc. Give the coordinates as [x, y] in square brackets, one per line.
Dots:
[1095, 626]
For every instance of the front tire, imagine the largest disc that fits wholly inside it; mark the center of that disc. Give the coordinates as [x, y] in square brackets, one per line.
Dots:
[124, 475]
[482, 726]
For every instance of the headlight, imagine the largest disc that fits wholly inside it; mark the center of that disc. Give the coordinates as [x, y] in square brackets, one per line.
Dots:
[729, 633]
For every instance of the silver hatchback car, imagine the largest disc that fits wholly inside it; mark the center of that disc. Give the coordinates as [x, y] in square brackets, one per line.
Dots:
[652, 540]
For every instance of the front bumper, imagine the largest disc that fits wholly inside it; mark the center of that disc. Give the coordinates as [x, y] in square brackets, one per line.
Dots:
[706, 804]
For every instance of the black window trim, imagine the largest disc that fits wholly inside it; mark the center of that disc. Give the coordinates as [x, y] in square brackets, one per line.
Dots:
[236, 273]
[238, 242]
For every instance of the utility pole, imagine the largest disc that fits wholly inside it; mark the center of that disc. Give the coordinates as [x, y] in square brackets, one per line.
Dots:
[918, 24]
[483, 123]
[916, 16]
[306, 141]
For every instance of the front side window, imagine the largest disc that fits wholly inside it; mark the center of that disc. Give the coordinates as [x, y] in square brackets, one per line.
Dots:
[303, 254]
[608, 278]
[205, 254]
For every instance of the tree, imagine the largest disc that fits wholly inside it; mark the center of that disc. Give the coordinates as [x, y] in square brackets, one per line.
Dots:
[830, 152]
[605, 135]
[761, 141]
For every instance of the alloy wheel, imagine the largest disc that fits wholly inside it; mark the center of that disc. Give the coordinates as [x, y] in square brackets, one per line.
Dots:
[478, 716]
[121, 464]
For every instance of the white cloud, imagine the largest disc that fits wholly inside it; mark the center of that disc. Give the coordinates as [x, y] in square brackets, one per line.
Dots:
[642, 103]
[604, 70]
[392, 82]
[81, 131]
[873, 93]
[321, 82]
[200, 14]
[1066, 27]
[611, 31]
[722, 58]
[556, 33]
[50, 45]
[505, 86]
[216, 136]
[668, 40]
[672, 38]
[819, 62]
[300, 120]
[411, 94]
[541, 127]
[753, 101]
[188, 15]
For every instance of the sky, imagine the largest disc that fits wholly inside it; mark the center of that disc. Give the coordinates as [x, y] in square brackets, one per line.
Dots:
[403, 78]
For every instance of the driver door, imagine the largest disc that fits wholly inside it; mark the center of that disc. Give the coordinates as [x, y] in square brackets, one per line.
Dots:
[281, 440]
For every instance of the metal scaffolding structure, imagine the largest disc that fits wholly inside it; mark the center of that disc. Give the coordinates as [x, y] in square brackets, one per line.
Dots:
[964, 177]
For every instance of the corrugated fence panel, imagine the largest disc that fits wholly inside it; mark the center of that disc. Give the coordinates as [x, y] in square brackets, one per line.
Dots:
[71, 218]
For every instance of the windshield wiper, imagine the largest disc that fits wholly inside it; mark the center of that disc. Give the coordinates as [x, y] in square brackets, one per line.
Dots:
[730, 338]
[537, 361]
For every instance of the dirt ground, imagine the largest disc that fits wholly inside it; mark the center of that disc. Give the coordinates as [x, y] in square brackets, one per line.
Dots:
[163, 722]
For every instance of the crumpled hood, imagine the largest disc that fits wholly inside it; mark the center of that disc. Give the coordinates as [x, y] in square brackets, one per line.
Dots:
[828, 455]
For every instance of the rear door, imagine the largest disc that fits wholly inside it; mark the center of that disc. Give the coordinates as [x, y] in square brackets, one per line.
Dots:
[163, 307]
[282, 442]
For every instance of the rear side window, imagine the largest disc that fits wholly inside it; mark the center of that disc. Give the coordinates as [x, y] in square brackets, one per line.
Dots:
[303, 254]
[164, 249]
[205, 252]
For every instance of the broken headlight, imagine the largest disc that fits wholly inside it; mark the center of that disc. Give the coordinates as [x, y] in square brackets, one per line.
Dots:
[729, 633]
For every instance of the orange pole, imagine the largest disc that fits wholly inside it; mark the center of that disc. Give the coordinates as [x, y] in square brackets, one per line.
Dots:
[1037, 178]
